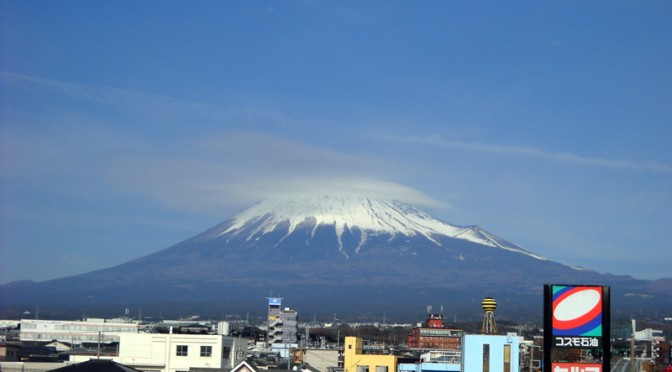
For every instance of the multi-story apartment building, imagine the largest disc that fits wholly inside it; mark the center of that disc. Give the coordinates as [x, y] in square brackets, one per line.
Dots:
[283, 324]
[274, 323]
[290, 326]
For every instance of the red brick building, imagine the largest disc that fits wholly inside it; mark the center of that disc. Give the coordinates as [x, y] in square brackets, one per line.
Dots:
[434, 336]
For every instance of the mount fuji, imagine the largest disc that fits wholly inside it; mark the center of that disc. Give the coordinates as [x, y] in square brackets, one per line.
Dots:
[355, 218]
[325, 254]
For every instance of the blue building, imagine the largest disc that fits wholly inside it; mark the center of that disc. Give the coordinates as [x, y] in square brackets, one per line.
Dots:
[500, 353]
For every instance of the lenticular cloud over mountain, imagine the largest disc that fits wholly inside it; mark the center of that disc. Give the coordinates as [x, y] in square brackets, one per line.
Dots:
[300, 187]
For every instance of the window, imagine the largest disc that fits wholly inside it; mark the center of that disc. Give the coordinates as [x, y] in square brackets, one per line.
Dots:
[206, 351]
[507, 358]
[182, 350]
[226, 351]
[486, 357]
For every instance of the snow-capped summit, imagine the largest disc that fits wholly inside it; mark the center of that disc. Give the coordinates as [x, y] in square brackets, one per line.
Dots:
[361, 215]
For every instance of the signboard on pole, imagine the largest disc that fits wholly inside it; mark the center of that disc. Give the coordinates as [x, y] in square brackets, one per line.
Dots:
[576, 318]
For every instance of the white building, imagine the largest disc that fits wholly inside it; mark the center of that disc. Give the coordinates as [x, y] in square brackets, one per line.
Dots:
[649, 334]
[76, 332]
[158, 352]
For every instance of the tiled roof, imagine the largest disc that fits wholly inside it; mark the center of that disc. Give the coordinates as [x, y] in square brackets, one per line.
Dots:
[96, 365]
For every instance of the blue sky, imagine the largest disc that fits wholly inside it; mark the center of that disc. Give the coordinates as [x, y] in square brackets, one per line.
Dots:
[128, 126]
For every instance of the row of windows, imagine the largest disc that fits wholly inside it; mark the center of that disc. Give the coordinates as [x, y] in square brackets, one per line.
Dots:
[71, 338]
[87, 328]
[93, 328]
[366, 368]
[439, 332]
[183, 350]
[452, 340]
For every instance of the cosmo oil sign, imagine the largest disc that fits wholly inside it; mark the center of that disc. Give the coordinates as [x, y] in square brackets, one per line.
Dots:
[576, 317]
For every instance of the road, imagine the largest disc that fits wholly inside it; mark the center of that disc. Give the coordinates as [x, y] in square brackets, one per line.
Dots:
[624, 366]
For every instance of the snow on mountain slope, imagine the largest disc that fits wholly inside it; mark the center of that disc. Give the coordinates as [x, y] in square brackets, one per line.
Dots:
[369, 215]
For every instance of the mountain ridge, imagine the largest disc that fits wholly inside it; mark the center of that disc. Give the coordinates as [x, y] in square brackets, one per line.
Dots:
[329, 262]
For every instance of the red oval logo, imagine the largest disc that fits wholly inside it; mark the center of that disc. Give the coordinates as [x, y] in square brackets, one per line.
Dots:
[576, 307]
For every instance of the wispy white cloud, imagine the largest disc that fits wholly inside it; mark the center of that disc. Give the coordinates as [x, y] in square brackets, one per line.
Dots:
[563, 157]
[213, 170]
[148, 103]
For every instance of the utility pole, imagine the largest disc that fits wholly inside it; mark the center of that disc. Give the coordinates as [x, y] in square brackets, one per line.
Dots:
[632, 347]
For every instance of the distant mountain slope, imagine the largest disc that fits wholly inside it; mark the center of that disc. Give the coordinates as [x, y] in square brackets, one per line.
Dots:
[328, 253]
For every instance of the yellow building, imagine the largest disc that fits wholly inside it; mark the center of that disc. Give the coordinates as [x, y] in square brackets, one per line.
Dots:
[356, 361]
